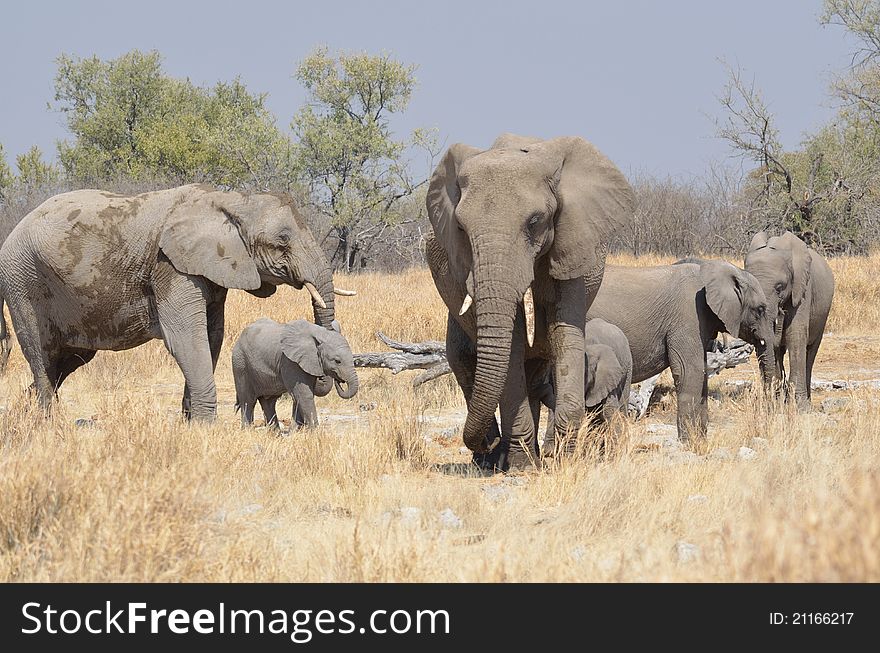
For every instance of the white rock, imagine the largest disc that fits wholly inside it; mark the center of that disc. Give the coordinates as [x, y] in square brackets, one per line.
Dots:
[719, 454]
[686, 552]
[410, 515]
[698, 498]
[746, 453]
[448, 519]
[681, 457]
[497, 493]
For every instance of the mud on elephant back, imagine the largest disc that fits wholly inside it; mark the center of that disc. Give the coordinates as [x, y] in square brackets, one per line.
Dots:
[91, 270]
[520, 236]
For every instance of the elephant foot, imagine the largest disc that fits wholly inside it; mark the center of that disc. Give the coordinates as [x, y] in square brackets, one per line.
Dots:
[804, 405]
[509, 456]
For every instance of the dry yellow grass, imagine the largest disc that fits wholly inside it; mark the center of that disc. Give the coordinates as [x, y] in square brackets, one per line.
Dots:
[384, 495]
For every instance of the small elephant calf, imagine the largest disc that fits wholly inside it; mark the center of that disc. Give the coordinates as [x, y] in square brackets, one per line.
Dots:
[607, 374]
[299, 357]
[608, 369]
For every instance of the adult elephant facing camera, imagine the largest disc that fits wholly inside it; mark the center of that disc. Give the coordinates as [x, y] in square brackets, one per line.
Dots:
[90, 270]
[799, 286]
[521, 231]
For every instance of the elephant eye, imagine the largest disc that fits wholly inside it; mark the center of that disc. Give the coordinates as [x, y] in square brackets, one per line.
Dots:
[533, 220]
[780, 286]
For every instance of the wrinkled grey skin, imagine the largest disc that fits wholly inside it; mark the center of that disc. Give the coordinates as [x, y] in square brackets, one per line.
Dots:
[799, 286]
[608, 373]
[300, 358]
[609, 369]
[524, 213]
[7, 224]
[91, 270]
[671, 313]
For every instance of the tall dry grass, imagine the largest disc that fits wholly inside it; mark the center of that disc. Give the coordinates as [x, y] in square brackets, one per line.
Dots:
[384, 493]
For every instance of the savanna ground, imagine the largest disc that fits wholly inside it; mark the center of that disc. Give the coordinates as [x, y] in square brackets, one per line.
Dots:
[382, 492]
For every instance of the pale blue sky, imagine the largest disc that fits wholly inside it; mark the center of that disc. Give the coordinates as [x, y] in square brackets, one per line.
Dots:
[634, 76]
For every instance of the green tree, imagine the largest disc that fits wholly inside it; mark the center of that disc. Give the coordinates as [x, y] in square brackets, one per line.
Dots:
[130, 119]
[33, 172]
[346, 153]
[6, 176]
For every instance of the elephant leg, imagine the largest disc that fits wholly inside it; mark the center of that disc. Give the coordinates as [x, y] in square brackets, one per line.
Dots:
[812, 350]
[566, 335]
[519, 443]
[305, 414]
[215, 316]
[782, 380]
[247, 413]
[268, 406]
[183, 321]
[462, 358]
[797, 352]
[69, 361]
[687, 362]
[27, 330]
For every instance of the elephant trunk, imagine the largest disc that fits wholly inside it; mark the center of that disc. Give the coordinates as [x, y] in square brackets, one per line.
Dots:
[766, 362]
[495, 304]
[323, 282]
[351, 384]
[323, 386]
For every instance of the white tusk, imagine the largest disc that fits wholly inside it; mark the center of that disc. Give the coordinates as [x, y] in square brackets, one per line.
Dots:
[466, 304]
[494, 444]
[529, 306]
[344, 293]
[316, 296]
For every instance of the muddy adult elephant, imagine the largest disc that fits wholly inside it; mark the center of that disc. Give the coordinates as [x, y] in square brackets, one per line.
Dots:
[670, 313]
[90, 270]
[799, 286]
[520, 235]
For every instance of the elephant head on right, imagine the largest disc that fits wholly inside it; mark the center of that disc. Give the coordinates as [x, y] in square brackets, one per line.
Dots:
[739, 302]
[524, 227]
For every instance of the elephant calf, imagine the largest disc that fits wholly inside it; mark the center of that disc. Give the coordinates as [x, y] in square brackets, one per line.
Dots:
[608, 369]
[299, 357]
[607, 374]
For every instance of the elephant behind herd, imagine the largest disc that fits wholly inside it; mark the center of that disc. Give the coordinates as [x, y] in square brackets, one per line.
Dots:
[521, 232]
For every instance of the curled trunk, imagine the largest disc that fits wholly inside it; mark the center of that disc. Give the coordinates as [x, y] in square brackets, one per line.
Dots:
[351, 386]
[323, 386]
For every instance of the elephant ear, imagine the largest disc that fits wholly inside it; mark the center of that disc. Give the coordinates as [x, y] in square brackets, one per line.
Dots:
[759, 240]
[800, 264]
[298, 343]
[724, 292]
[442, 198]
[204, 238]
[594, 202]
[605, 374]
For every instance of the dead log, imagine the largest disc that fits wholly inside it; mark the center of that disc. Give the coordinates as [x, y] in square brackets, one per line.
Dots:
[409, 355]
[640, 398]
[430, 356]
[736, 353]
